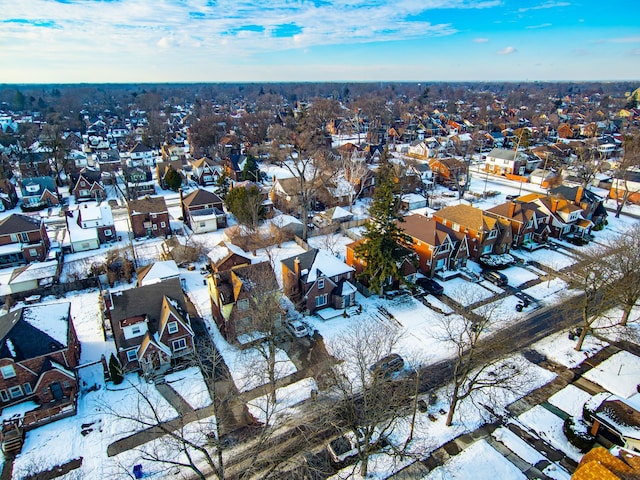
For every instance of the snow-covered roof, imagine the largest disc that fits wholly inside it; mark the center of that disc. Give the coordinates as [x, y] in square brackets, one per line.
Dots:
[327, 265]
[52, 319]
[223, 250]
[160, 271]
[36, 271]
[284, 220]
[339, 212]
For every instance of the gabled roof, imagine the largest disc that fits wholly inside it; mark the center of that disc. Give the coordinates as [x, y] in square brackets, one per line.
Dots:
[224, 250]
[201, 197]
[315, 263]
[16, 223]
[139, 148]
[516, 211]
[427, 230]
[157, 272]
[147, 205]
[467, 216]
[34, 331]
[241, 279]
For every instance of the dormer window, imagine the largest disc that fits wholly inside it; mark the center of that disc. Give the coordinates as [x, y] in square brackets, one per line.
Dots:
[172, 327]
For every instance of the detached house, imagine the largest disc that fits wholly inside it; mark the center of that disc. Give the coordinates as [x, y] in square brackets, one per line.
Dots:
[226, 255]
[150, 325]
[23, 239]
[315, 280]
[502, 162]
[235, 294]
[205, 171]
[485, 234]
[140, 155]
[39, 193]
[86, 189]
[89, 226]
[565, 218]
[203, 211]
[39, 351]
[529, 224]
[438, 247]
[8, 195]
[149, 217]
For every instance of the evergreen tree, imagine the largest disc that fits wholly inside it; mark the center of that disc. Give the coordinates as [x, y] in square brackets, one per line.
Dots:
[251, 170]
[222, 185]
[173, 180]
[384, 240]
[115, 370]
[246, 205]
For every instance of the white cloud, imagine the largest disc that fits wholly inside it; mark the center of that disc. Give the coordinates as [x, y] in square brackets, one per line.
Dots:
[480, 40]
[506, 51]
[544, 6]
[542, 25]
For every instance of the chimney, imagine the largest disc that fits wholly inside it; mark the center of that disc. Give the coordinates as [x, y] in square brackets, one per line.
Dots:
[512, 208]
[579, 192]
[296, 266]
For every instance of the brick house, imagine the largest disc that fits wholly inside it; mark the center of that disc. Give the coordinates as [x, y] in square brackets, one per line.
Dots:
[529, 224]
[149, 217]
[233, 294]
[39, 351]
[8, 195]
[565, 217]
[203, 211]
[23, 239]
[485, 234]
[205, 171]
[314, 280]
[226, 255]
[150, 326]
[85, 189]
[437, 246]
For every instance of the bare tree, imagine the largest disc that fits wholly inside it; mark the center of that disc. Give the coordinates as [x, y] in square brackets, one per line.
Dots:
[630, 161]
[588, 164]
[370, 403]
[477, 365]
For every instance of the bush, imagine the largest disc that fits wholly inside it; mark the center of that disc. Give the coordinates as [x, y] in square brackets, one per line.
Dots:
[115, 370]
[577, 432]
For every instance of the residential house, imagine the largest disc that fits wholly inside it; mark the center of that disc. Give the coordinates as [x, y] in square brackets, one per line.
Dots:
[33, 276]
[203, 211]
[39, 351]
[529, 224]
[627, 186]
[34, 164]
[141, 156]
[235, 294]
[39, 193]
[172, 153]
[602, 464]
[23, 239]
[565, 218]
[205, 171]
[89, 226]
[438, 247]
[86, 189]
[285, 194]
[485, 234]
[139, 182]
[108, 160]
[150, 326]
[149, 217]
[163, 167]
[226, 255]
[407, 267]
[591, 203]
[447, 170]
[8, 195]
[614, 417]
[314, 280]
[505, 162]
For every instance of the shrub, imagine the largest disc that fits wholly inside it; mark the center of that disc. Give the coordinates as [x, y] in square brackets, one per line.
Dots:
[577, 432]
[115, 370]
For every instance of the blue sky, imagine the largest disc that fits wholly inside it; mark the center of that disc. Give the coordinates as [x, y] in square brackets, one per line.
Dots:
[70, 41]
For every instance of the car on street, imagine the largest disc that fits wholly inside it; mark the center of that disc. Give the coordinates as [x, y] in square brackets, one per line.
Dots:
[496, 278]
[297, 328]
[345, 446]
[430, 285]
[388, 365]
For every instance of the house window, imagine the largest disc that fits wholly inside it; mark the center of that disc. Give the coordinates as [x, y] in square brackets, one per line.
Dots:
[16, 391]
[135, 330]
[66, 384]
[8, 371]
[243, 304]
[33, 252]
[180, 344]
[155, 227]
[4, 395]
[321, 300]
[132, 355]
[163, 225]
[486, 249]
[493, 234]
[24, 237]
[27, 388]
[321, 284]
[172, 327]
[108, 232]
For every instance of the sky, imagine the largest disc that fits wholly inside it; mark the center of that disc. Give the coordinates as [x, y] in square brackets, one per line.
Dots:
[123, 41]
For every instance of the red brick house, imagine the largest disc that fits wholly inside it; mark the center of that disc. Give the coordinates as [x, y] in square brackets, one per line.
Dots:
[149, 217]
[23, 239]
[437, 246]
[85, 189]
[485, 234]
[529, 224]
[226, 255]
[565, 217]
[233, 292]
[314, 280]
[39, 351]
[150, 325]
[8, 195]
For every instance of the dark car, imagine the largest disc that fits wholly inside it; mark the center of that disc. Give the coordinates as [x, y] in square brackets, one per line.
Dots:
[430, 286]
[388, 365]
[579, 241]
[496, 278]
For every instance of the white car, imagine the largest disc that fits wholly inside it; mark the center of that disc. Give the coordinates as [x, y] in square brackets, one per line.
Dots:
[297, 328]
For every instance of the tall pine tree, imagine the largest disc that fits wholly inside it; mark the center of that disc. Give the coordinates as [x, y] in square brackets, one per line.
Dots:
[384, 241]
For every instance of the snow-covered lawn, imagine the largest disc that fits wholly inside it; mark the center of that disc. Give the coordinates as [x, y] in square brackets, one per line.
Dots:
[466, 293]
[190, 385]
[286, 399]
[561, 349]
[619, 374]
[549, 427]
[480, 461]
[570, 399]
[554, 259]
[550, 291]
[518, 275]
[518, 446]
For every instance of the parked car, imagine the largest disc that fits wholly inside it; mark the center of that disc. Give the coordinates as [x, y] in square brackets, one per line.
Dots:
[297, 328]
[345, 446]
[576, 240]
[512, 197]
[496, 278]
[388, 365]
[430, 285]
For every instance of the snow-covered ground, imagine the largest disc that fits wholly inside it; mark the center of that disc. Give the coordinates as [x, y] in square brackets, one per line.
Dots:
[549, 427]
[570, 400]
[190, 385]
[619, 374]
[561, 349]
